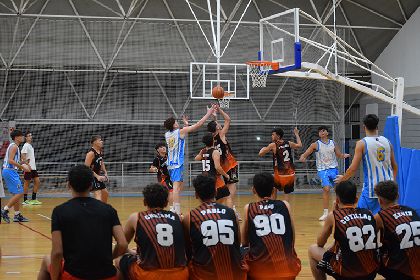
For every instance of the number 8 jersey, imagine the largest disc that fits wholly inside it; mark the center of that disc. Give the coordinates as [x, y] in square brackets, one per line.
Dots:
[215, 243]
[355, 246]
[271, 241]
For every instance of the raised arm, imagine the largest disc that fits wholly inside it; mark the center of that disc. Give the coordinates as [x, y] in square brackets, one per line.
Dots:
[270, 148]
[298, 143]
[312, 148]
[226, 124]
[185, 130]
[358, 154]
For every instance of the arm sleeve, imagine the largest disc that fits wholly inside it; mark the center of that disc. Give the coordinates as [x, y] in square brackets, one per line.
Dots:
[115, 221]
[55, 221]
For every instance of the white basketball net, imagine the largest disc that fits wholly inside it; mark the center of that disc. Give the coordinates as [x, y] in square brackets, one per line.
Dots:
[259, 74]
[224, 102]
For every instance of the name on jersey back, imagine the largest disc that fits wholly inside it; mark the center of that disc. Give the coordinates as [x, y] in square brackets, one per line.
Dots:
[159, 215]
[213, 211]
[402, 214]
[350, 217]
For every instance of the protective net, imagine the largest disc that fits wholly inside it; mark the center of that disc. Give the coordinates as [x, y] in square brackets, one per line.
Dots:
[58, 89]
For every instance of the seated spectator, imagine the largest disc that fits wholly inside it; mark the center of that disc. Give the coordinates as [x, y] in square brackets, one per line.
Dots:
[82, 230]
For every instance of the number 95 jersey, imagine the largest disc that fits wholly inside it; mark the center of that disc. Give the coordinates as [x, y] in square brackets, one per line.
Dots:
[215, 243]
[355, 248]
[271, 241]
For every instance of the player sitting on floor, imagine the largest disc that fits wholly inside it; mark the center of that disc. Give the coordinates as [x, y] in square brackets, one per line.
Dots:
[354, 252]
[268, 230]
[213, 235]
[400, 228]
[82, 230]
[160, 241]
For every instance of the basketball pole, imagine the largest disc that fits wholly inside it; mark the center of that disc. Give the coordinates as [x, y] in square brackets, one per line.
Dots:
[218, 41]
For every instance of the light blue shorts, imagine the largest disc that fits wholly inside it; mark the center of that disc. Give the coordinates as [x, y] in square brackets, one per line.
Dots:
[177, 174]
[327, 177]
[12, 180]
[366, 202]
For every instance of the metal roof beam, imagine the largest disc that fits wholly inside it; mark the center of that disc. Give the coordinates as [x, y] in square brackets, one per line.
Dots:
[375, 12]
[402, 10]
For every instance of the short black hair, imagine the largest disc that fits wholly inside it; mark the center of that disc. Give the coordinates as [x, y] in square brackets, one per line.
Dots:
[212, 126]
[205, 187]
[169, 123]
[155, 196]
[80, 178]
[208, 140]
[346, 192]
[371, 121]
[387, 190]
[94, 138]
[278, 131]
[322, 127]
[16, 133]
[160, 144]
[27, 133]
[263, 184]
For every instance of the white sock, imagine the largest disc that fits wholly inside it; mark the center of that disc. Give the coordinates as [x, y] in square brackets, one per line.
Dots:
[234, 208]
[6, 208]
[17, 213]
[325, 211]
[177, 208]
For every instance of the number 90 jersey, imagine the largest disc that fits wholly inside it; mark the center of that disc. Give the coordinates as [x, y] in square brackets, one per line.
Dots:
[160, 240]
[271, 241]
[355, 246]
[282, 159]
[215, 243]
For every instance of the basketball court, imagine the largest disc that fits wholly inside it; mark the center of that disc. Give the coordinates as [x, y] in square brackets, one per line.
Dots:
[71, 69]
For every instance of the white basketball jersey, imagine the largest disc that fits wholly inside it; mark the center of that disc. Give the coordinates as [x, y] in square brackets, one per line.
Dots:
[376, 161]
[6, 163]
[176, 147]
[325, 155]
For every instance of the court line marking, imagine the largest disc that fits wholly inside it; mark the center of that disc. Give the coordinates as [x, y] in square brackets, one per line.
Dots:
[34, 230]
[22, 257]
[43, 216]
[12, 272]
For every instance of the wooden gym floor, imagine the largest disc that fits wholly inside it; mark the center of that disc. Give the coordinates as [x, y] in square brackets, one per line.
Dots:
[24, 245]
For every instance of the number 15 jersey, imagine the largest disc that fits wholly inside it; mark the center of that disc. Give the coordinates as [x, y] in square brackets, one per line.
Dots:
[215, 243]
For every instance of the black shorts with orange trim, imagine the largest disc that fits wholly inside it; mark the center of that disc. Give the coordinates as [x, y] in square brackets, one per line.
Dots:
[233, 176]
[167, 183]
[393, 274]
[30, 175]
[97, 185]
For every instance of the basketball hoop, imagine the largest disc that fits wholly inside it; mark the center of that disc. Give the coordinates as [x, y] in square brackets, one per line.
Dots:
[259, 70]
[224, 102]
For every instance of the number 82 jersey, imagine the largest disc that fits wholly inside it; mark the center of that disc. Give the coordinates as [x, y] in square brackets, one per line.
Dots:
[355, 248]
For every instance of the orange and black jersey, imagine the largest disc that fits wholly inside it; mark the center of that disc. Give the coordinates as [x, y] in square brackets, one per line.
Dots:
[400, 249]
[96, 163]
[227, 157]
[355, 245]
[214, 237]
[271, 241]
[282, 158]
[162, 174]
[160, 240]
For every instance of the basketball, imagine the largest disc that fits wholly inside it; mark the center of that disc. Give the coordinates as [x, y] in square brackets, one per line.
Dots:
[218, 92]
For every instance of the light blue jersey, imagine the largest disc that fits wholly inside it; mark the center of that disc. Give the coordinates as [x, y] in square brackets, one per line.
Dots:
[176, 149]
[376, 162]
[325, 155]
[6, 163]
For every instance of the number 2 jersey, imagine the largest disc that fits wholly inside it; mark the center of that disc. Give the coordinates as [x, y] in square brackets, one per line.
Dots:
[282, 159]
[271, 241]
[160, 240]
[215, 243]
[400, 239]
[355, 247]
